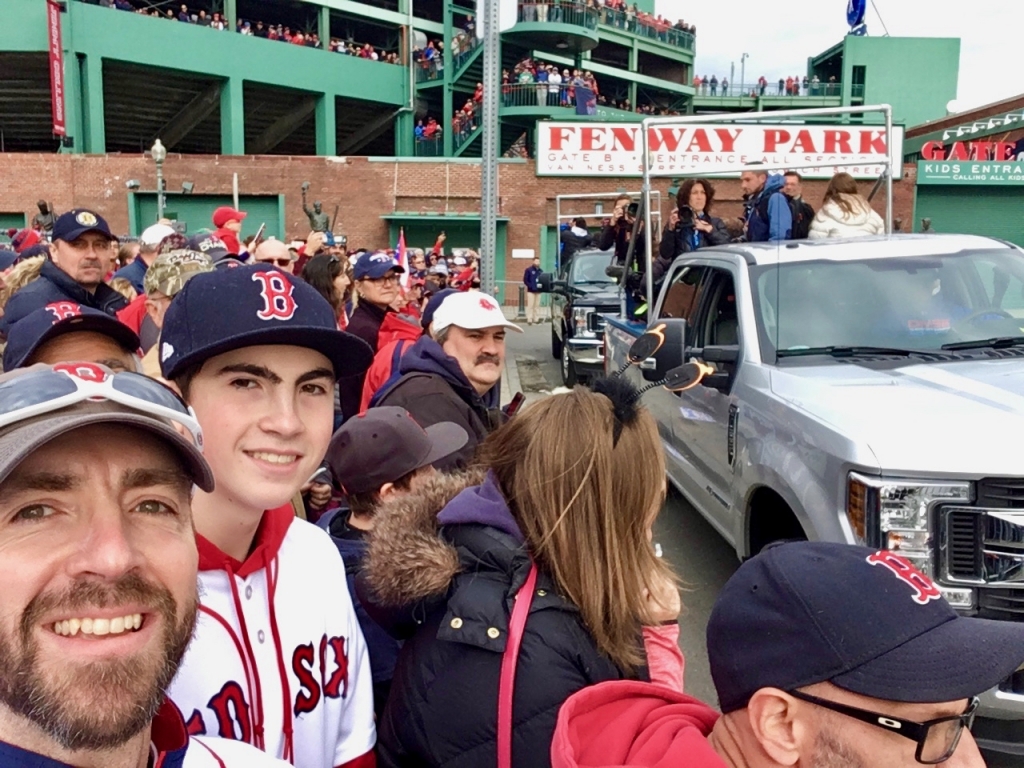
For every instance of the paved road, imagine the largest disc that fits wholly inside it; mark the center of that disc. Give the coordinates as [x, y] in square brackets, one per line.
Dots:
[698, 553]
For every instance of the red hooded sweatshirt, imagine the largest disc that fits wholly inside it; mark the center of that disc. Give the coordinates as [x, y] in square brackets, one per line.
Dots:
[397, 334]
[629, 723]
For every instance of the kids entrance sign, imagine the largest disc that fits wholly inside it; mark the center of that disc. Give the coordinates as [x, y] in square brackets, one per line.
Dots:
[614, 149]
[971, 173]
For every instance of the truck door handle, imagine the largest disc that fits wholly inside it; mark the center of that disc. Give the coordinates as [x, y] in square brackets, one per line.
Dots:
[650, 364]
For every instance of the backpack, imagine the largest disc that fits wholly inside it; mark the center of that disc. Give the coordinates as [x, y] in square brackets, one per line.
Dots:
[801, 213]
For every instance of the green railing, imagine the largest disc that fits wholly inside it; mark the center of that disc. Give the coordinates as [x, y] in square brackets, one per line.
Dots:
[630, 22]
[755, 90]
[539, 95]
[560, 12]
[857, 90]
[432, 147]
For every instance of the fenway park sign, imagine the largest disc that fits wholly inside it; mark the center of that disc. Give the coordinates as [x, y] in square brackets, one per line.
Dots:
[615, 149]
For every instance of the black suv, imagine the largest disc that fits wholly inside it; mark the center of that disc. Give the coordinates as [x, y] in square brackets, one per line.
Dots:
[580, 296]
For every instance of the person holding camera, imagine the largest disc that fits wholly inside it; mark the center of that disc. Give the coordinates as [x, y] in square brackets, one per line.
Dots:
[691, 226]
[618, 231]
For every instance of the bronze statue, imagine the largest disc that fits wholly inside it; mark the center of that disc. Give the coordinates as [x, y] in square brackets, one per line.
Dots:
[43, 221]
[318, 220]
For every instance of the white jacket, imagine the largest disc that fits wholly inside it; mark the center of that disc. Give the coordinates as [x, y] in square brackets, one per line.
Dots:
[833, 221]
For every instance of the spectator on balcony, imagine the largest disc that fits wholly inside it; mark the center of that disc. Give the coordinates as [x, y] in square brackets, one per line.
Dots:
[725, 86]
[714, 85]
[806, 82]
[815, 85]
[762, 84]
[554, 86]
[218, 22]
[542, 85]
[478, 94]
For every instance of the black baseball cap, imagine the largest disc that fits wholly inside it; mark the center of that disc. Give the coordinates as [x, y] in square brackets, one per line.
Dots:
[36, 328]
[385, 444]
[77, 222]
[864, 620]
[211, 245]
[227, 309]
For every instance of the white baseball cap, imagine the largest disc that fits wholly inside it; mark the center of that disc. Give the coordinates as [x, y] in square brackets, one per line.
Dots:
[154, 234]
[472, 310]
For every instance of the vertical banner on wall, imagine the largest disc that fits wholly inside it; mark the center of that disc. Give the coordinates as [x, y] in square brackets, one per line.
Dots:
[56, 68]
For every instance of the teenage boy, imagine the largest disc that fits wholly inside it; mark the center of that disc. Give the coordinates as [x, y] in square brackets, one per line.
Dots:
[256, 353]
[377, 456]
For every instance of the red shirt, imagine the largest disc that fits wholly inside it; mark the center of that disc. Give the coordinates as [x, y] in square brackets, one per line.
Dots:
[230, 240]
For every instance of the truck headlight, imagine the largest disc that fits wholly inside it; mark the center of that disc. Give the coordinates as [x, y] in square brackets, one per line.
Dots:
[580, 316]
[895, 514]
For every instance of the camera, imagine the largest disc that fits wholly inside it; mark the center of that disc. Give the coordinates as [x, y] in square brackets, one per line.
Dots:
[631, 210]
[685, 216]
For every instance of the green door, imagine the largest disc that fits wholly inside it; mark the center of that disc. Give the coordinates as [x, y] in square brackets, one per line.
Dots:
[990, 211]
[195, 212]
[10, 221]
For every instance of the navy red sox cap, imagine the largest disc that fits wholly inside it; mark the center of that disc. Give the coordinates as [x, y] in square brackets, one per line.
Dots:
[375, 266]
[36, 328]
[75, 223]
[227, 309]
[211, 245]
[864, 620]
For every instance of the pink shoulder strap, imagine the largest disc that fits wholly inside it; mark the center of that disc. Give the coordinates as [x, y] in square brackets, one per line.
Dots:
[507, 681]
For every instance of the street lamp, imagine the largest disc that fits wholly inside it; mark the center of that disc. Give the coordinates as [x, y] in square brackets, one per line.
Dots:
[159, 153]
[743, 69]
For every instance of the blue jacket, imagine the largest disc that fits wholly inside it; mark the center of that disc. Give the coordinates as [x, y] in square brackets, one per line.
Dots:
[771, 222]
[56, 285]
[530, 278]
[134, 273]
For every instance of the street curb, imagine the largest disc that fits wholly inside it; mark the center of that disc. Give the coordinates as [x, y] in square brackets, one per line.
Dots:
[510, 384]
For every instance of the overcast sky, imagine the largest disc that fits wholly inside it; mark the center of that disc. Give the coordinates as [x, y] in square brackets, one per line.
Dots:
[780, 36]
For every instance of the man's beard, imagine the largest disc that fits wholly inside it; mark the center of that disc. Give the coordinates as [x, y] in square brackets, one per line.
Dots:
[102, 704]
[829, 752]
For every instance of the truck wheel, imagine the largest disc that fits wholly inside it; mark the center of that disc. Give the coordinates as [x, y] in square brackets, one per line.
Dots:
[556, 345]
[771, 520]
[569, 377]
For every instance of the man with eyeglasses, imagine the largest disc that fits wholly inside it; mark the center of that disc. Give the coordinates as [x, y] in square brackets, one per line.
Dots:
[823, 655]
[80, 257]
[275, 253]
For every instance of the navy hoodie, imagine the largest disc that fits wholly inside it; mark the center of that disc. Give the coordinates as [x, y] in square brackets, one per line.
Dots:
[433, 388]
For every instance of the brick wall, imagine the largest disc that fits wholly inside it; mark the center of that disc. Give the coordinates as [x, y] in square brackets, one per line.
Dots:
[364, 190]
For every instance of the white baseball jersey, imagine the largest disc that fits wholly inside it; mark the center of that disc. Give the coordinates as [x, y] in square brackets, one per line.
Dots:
[211, 752]
[278, 659]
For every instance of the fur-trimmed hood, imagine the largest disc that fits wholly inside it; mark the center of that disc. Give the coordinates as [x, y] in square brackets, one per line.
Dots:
[406, 560]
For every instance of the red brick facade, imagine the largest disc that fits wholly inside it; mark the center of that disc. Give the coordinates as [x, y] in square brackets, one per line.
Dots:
[363, 189]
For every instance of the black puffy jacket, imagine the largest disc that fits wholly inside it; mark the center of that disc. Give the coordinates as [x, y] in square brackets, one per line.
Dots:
[680, 240]
[449, 590]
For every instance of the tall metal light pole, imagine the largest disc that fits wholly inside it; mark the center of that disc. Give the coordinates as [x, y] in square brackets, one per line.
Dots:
[743, 69]
[159, 153]
[489, 146]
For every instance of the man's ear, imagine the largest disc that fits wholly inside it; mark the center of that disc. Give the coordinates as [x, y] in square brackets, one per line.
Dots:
[386, 491]
[775, 726]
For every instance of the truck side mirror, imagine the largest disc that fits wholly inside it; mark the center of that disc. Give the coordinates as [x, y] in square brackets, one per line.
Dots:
[670, 353]
[687, 376]
[544, 280]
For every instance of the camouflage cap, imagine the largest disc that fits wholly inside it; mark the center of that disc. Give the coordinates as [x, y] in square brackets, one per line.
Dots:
[170, 271]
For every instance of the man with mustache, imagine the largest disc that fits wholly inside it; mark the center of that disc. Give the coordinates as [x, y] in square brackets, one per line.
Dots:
[80, 257]
[98, 560]
[455, 373]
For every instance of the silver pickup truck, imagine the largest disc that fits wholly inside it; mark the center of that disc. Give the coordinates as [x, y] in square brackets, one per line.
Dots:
[868, 391]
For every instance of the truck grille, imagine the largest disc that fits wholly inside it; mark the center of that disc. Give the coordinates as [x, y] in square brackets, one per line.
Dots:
[963, 537]
[1001, 493]
[1001, 604]
[596, 320]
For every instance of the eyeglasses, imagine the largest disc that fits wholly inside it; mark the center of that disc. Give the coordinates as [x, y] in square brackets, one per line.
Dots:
[385, 280]
[937, 739]
[278, 262]
[39, 392]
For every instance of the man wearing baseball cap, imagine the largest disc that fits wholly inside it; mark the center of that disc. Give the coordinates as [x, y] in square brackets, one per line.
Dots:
[165, 278]
[211, 245]
[228, 223]
[64, 331]
[822, 654]
[149, 247]
[455, 374]
[378, 456]
[98, 563]
[80, 257]
[256, 353]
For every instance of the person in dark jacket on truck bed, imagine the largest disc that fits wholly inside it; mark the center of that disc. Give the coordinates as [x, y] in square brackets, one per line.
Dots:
[691, 226]
[456, 374]
[446, 581]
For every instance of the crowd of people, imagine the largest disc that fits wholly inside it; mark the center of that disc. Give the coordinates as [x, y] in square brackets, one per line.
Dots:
[323, 541]
[532, 81]
[786, 86]
[216, 20]
[627, 16]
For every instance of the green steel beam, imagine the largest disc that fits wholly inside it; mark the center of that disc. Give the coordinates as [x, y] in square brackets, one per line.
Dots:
[92, 98]
[232, 117]
[326, 125]
[189, 116]
[366, 10]
[283, 127]
[231, 14]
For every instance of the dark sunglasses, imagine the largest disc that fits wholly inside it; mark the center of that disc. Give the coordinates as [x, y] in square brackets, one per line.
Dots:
[278, 262]
[936, 739]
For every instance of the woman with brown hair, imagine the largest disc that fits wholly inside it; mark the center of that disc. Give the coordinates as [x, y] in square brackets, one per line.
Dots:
[845, 212]
[576, 516]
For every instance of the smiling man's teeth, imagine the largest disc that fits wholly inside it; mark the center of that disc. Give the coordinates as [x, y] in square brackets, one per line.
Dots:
[274, 458]
[98, 627]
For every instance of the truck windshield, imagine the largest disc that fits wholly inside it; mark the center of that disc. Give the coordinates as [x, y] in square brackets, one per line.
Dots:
[589, 268]
[917, 303]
